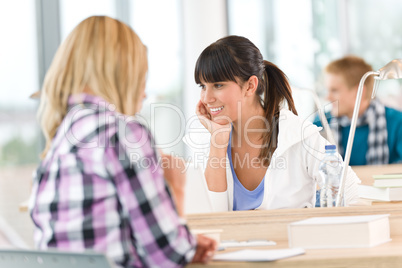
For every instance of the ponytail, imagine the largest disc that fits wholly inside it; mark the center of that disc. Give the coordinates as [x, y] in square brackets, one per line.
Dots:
[275, 89]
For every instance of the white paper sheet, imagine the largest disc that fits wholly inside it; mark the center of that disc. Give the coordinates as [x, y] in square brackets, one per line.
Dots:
[249, 243]
[252, 255]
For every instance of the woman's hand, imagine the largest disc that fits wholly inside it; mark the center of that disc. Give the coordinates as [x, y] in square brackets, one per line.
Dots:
[220, 133]
[205, 250]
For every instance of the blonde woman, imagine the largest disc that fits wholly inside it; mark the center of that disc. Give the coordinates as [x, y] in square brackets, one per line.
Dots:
[92, 189]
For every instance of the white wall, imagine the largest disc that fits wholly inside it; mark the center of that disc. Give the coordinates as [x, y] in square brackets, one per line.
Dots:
[204, 22]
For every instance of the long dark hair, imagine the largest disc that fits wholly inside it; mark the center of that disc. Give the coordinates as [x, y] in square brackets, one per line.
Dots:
[235, 58]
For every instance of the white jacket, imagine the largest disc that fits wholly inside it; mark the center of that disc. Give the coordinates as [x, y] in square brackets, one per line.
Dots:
[292, 176]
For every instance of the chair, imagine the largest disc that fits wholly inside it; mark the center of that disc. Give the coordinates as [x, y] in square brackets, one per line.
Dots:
[15, 253]
[9, 238]
[196, 197]
[15, 258]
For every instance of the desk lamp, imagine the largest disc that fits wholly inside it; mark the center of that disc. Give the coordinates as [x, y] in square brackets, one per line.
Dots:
[393, 70]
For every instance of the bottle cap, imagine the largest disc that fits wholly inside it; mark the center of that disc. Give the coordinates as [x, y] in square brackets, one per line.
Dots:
[330, 147]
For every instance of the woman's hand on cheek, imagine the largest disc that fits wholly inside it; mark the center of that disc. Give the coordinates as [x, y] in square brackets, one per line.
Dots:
[220, 132]
[204, 116]
[202, 111]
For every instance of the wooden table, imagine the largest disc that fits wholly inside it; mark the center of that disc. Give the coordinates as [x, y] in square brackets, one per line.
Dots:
[385, 255]
[365, 173]
[272, 225]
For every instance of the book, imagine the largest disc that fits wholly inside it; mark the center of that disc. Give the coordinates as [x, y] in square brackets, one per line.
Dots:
[377, 193]
[340, 232]
[388, 176]
[252, 255]
[388, 180]
[388, 183]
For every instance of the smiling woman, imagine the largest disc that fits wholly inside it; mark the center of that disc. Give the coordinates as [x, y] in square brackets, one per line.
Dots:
[268, 157]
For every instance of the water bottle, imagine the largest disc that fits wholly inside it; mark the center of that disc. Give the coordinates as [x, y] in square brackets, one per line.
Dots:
[330, 170]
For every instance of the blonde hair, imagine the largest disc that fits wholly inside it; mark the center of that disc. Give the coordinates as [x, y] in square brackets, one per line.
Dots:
[352, 69]
[102, 55]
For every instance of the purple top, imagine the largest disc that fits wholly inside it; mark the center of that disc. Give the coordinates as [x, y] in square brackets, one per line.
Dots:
[100, 187]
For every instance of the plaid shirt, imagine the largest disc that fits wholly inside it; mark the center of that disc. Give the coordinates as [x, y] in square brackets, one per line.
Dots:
[100, 187]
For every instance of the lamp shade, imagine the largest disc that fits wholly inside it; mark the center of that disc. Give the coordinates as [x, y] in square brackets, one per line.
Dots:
[393, 70]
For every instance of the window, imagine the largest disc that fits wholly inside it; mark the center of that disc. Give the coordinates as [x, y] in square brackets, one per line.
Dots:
[19, 134]
[303, 36]
[160, 31]
[72, 12]
[375, 33]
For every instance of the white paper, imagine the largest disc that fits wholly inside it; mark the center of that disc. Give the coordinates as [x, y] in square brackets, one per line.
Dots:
[252, 255]
[249, 243]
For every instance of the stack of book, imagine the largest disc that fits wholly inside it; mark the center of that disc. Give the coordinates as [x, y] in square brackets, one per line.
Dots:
[386, 187]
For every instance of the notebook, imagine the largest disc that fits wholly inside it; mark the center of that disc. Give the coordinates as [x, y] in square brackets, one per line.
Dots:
[388, 180]
[196, 197]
